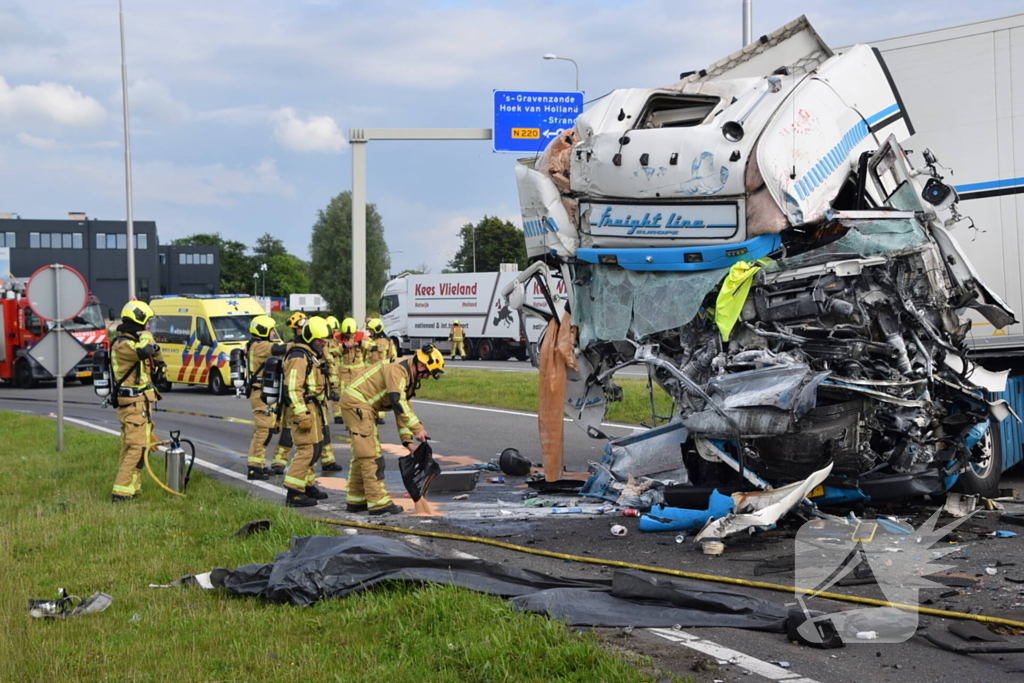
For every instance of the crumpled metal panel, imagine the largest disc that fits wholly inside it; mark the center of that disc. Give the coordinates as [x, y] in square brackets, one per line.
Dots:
[654, 451]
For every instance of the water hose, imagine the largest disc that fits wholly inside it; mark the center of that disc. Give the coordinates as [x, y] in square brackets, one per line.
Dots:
[145, 458]
[686, 575]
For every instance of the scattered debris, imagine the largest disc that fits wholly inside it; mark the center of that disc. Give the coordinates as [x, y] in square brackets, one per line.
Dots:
[1016, 518]
[975, 631]
[959, 505]
[618, 530]
[1002, 534]
[713, 547]
[464, 496]
[420, 469]
[64, 607]
[513, 463]
[253, 527]
[662, 518]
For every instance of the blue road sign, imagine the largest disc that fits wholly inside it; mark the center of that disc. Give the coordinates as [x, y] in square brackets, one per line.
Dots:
[527, 121]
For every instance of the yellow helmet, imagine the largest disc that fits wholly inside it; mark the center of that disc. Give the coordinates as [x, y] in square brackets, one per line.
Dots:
[315, 328]
[296, 320]
[332, 322]
[432, 358]
[375, 326]
[348, 326]
[455, 322]
[137, 311]
[262, 326]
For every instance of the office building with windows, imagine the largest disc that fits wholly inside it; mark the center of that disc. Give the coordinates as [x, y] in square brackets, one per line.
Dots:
[97, 250]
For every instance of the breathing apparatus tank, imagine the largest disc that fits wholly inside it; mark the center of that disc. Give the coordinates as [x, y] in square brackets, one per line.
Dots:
[101, 373]
[238, 370]
[273, 375]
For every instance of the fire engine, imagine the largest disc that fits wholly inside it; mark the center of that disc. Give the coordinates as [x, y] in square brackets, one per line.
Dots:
[21, 328]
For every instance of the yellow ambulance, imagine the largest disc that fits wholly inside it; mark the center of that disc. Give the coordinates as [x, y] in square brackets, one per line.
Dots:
[197, 334]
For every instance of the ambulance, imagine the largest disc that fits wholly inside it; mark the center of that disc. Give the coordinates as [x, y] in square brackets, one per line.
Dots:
[197, 334]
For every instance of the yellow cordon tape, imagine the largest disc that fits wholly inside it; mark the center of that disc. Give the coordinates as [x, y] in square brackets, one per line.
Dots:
[686, 575]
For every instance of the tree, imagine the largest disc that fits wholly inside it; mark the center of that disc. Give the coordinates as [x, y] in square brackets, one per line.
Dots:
[421, 269]
[235, 267]
[330, 249]
[268, 246]
[286, 274]
[497, 242]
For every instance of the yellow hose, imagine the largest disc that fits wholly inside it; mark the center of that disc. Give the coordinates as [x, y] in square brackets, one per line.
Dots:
[145, 458]
[687, 575]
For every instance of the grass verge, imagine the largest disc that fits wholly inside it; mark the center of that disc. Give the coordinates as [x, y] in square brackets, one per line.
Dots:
[60, 530]
[518, 391]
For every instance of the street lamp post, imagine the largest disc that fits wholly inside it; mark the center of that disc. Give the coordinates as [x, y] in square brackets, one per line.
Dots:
[474, 246]
[553, 56]
[263, 268]
[255, 283]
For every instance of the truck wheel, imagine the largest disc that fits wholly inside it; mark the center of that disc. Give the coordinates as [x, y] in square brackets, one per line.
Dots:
[23, 378]
[522, 354]
[982, 478]
[216, 383]
[485, 350]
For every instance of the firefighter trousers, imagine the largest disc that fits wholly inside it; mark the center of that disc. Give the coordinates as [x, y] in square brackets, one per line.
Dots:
[136, 430]
[366, 469]
[261, 434]
[308, 447]
[459, 349]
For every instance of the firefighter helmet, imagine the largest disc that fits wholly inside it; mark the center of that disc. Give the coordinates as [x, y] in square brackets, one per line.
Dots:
[315, 328]
[137, 312]
[455, 322]
[348, 326]
[432, 359]
[262, 326]
[296, 320]
[332, 322]
[375, 326]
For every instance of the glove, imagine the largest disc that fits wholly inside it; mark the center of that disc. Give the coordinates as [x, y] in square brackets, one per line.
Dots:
[304, 422]
[334, 397]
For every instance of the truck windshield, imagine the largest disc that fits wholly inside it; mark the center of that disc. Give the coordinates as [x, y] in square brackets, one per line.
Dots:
[231, 327]
[91, 318]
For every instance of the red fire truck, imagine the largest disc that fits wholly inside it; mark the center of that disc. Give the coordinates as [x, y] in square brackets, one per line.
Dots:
[21, 328]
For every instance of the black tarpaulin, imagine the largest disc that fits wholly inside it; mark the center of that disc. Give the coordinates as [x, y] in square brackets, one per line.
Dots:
[318, 567]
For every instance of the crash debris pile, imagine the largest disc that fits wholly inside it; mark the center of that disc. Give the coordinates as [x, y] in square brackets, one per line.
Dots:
[783, 271]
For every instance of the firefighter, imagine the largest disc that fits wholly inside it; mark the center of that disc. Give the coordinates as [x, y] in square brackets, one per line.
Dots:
[279, 462]
[259, 348]
[306, 387]
[457, 336]
[385, 385]
[328, 462]
[352, 354]
[134, 356]
[333, 350]
[380, 348]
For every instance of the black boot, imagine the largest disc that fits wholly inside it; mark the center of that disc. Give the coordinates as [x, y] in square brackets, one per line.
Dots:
[338, 420]
[331, 467]
[114, 498]
[380, 420]
[277, 469]
[298, 499]
[355, 507]
[390, 509]
[257, 474]
[315, 493]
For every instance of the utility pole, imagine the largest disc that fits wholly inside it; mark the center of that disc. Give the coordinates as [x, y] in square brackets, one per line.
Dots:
[127, 161]
[474, 246]
[748, 22]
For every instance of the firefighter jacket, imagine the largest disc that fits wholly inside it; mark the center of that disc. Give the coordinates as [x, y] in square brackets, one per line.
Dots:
[386, 386]
[305, 380]
[132, 359]
[257, 352]
[380, 350]
[456, 333]
[351, 354]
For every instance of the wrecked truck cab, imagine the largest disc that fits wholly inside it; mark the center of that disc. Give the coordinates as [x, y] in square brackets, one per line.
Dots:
[757, 237]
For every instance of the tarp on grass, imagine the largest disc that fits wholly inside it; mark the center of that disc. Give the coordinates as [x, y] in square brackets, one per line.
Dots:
[317, 567]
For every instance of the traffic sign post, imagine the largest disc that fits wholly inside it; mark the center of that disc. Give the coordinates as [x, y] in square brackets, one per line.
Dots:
[57, 293]
[525, 122]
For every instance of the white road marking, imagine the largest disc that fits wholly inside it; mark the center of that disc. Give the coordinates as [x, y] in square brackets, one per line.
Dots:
[200, 463]
[521, 413]
[722, 653]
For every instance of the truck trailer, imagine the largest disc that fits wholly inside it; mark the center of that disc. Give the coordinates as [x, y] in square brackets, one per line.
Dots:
[758, 236]
[420, 309]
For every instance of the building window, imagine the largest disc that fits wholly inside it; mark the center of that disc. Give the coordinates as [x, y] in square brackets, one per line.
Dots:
[101, 241]
[44, 240]
[111, 240]
[55, 238]
[33, 240]
[122, 241]
[141, 241]
[163, 259]
[76, 241]
[65, 240]
[7, 240]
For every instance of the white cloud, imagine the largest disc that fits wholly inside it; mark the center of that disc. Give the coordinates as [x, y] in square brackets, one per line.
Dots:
[51, 102]
[37, 143]
[149, 98]
[315, 134]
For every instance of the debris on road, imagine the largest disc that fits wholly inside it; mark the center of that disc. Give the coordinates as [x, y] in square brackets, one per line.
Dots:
[65, 607]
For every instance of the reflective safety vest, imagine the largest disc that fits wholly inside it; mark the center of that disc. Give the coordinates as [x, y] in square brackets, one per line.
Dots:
[381, 387]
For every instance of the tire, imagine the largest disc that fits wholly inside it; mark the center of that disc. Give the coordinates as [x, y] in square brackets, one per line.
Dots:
[485, 350]
[217, 386]
[23, 378]
[982, 478]
[521, 354]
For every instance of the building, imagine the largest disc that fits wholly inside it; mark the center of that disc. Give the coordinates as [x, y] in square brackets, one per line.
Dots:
[97, 250]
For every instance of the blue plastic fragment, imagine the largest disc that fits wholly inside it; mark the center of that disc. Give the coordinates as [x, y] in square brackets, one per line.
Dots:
[1004, 534]
[680, 519]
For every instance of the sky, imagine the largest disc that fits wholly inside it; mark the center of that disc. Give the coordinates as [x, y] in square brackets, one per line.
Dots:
[240, 109]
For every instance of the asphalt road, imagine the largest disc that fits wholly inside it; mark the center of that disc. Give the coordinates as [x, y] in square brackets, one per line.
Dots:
[466, 434]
